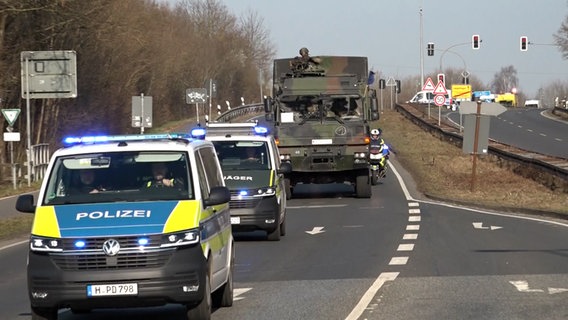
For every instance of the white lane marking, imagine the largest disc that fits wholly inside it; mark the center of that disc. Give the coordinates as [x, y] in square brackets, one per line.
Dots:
[410, 236]
[479, 225]
[413, 204]
[558, 139]
[398, 261]
[414, 218]
[542, 134]
[529, 130]
[371, 292]
[14, 244]
[405, 247]
[556, 290]
[414, 211]
[413, 227]
[316, 230]
[523, 286]
[401, 183]
[239, 291]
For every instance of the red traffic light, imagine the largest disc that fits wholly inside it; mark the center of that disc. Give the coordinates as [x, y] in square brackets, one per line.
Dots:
[524, 43]
[475, 41]
[442, 78]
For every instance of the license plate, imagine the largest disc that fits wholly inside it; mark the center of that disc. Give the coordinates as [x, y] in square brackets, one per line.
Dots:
[121, 289]
[322, 141]
[235, 220]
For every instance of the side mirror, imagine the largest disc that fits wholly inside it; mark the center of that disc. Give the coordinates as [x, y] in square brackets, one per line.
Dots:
[285, 168]
[218, 195]
[25, 203]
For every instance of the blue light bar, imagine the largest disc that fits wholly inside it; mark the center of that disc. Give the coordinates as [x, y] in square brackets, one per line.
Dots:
[261, 130]
[198, 133]
[143, 241]
[243, 193]
[132, 137]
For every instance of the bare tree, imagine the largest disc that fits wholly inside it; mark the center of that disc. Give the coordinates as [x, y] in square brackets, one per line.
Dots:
[505, 80]
[561, 38]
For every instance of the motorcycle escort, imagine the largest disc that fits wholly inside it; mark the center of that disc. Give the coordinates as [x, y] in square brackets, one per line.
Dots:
[378, 155]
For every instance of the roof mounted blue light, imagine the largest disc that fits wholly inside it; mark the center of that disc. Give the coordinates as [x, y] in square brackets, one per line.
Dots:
[262, 131]
[198, 133]
[68, 141]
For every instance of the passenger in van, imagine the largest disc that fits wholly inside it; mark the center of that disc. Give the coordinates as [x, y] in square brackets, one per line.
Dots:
[161, 177]
[87, 183]
[251, 156]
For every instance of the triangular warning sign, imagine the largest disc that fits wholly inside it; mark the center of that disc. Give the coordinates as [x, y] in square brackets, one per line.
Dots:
[440, 89]
[11, 115]
[428, 85]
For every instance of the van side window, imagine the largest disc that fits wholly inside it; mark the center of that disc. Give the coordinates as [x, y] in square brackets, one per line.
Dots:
[203, 184]
[211, 165]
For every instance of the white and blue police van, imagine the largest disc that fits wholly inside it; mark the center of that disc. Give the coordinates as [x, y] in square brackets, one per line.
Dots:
[130, 221]
[254, 174]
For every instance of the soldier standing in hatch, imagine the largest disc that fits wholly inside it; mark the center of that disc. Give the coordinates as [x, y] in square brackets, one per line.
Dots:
[305, 56]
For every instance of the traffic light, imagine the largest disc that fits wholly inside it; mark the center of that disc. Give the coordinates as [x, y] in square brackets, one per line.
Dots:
[397, 86]
[430, 48]
[475, 41]
[442, 78]
[524, 43]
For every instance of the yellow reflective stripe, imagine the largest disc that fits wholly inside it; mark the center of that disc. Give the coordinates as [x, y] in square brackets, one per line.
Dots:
[45, 223]
[184, 216]
[272, 174]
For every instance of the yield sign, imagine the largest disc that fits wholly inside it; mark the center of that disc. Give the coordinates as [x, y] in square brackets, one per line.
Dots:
[11, 115]
[440, 88]
[429, 85]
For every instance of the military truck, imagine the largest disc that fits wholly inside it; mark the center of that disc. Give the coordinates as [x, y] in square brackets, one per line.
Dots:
[321, 109]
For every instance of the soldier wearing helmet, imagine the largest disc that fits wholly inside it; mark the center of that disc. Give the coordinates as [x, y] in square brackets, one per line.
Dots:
[305, 57]
[375, 135]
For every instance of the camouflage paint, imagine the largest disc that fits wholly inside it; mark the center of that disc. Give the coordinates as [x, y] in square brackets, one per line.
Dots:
[324, 136]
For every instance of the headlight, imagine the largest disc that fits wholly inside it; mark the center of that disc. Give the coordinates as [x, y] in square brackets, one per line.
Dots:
[182, 238]
[42, 244]
[285, 157]
[260, 192]
[360, 155]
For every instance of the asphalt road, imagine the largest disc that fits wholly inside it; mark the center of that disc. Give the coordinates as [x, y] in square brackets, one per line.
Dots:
[393, 256]
[528, 129]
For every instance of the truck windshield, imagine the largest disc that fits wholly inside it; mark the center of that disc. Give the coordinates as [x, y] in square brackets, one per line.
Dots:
[119, 176]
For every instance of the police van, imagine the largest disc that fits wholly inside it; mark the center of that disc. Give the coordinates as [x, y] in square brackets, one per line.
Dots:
[130, 221]
[254, 175]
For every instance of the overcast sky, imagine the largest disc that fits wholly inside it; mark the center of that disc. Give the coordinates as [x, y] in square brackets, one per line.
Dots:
[388, 32]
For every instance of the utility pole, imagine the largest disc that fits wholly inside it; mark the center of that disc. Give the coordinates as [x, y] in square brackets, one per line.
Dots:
[421, 52]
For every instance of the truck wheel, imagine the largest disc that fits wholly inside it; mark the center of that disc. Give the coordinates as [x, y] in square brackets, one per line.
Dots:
[363, 186]
[202, 311]
[44, 313]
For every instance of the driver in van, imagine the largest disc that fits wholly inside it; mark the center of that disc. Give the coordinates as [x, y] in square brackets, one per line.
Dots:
[162, 177]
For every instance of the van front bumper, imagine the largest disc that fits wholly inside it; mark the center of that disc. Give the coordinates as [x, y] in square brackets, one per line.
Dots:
[177, 280]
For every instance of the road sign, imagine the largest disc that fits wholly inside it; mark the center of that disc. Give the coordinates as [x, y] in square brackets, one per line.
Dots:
[440, 88]
[391, 82]
[196, 95]
[439, 100]
[11, 136]
[428, 85]
[11, 115]
[49, 74]
[142, 112]
[487, 108]
[469, 134]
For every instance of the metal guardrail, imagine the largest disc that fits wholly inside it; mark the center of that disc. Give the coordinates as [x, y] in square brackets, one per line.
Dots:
[547, 170]
[240, 111]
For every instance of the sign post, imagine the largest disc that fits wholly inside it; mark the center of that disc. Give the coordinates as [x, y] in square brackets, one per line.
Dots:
[196, 96]
[428, 87]
[46, 74]
[11, 115]
[142, 112]
[440, 93]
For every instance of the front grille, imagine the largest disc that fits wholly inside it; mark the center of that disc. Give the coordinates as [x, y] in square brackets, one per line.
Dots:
[130, 256]
[243, 202]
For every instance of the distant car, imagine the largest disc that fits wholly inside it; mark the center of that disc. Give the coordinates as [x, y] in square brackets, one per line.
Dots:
[422, 97]
[532, 103]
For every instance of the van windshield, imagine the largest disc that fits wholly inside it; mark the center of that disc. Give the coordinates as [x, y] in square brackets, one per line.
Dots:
[243, 155]
[119, 176]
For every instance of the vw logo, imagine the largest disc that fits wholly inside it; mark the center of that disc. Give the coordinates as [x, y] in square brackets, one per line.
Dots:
[111, 247]
[341, 131]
